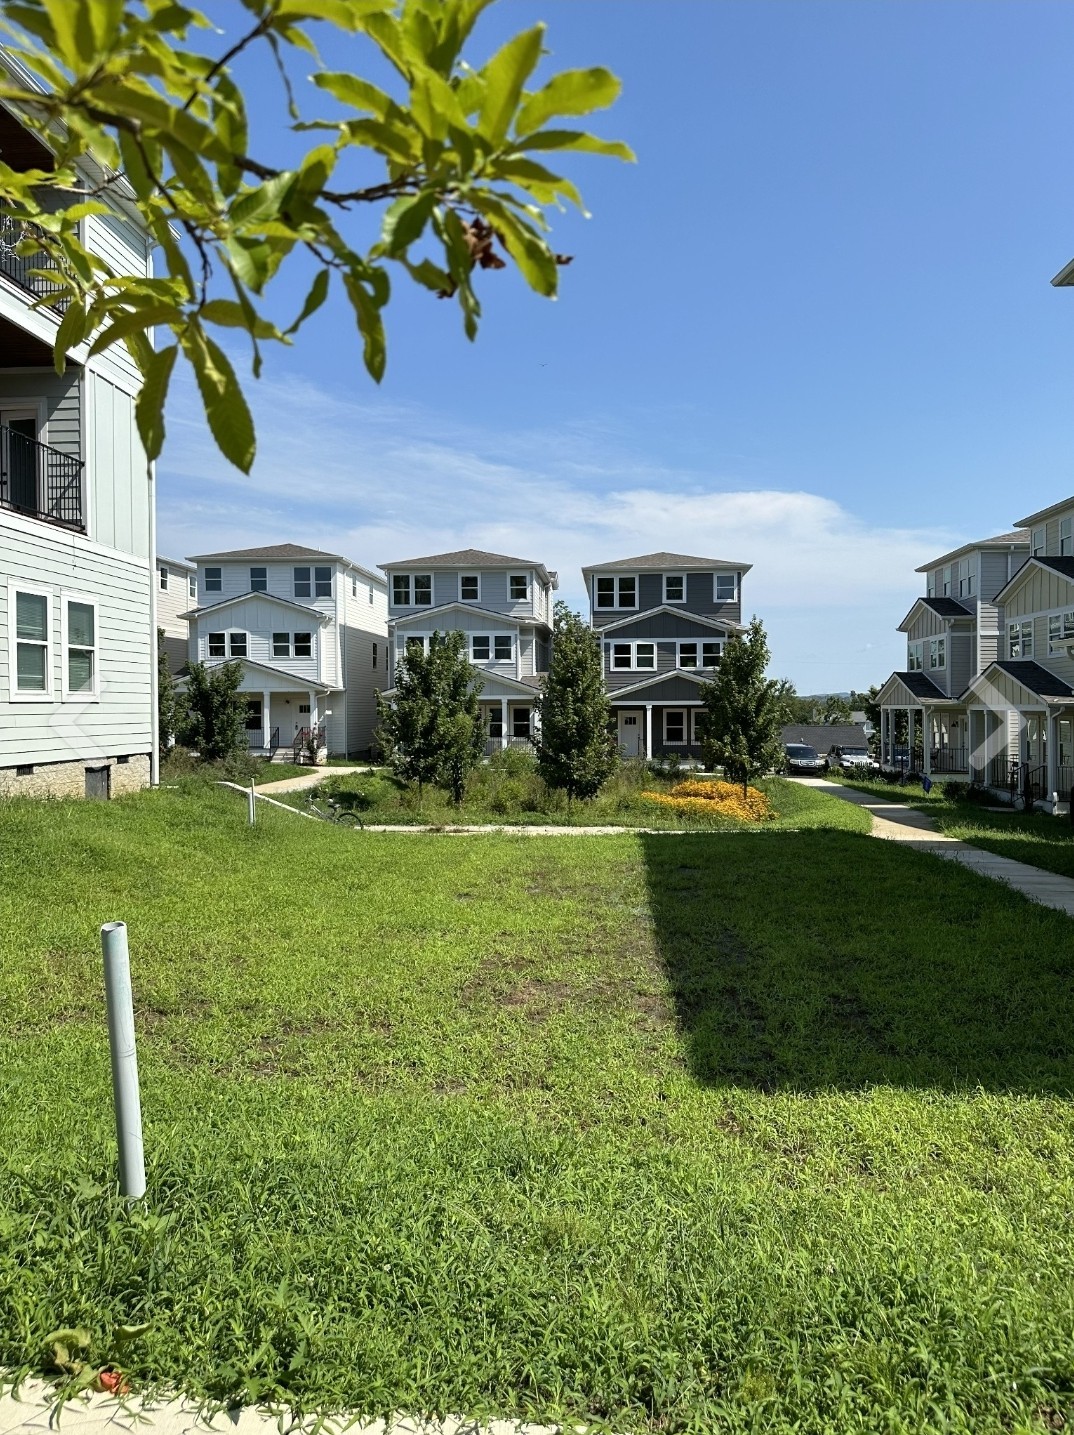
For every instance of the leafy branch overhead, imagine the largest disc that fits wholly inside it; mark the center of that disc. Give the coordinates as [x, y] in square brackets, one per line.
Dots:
[464, 153]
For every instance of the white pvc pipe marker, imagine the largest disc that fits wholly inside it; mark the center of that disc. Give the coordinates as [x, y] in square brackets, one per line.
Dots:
[120, 1002]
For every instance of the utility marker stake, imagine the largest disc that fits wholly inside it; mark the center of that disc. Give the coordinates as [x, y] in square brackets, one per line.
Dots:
[253, 803]
[120, 1002]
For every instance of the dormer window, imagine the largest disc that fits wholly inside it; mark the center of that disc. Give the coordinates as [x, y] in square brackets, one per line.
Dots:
[674, 587]
[470, 587]
[519, 587]
[213, 580]
[258, 580]
[617, 593]
[726, 587]
[1037, 541]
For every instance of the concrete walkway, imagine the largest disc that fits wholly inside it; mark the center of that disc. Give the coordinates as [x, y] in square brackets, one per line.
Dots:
[312, 778]
[895, 822]
[105, 1415]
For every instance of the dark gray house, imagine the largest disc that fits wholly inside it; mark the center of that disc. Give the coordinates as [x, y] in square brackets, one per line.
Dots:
[663, 620]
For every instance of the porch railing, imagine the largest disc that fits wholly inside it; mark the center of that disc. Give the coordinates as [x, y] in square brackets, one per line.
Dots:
[39, 480]
[948, 759]
[1065, 782]
[497, 744]
[19, 267]
[255, 737]
[303, 738]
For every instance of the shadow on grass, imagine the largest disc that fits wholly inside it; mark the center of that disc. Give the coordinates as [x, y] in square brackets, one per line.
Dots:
[817, 960]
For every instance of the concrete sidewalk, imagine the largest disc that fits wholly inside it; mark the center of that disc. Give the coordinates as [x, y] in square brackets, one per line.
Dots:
[105, 1415]
[312, 778]
[895, 822]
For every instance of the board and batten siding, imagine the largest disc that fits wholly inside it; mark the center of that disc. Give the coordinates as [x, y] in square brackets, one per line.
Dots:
[1041, 591]
[73, 729]
[124, 250]
[700, 588]
[259, 620]
[927, 624]
[118, 485]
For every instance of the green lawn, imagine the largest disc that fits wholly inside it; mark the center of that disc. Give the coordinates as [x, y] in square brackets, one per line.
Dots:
[1033, 837]
[757, 1131]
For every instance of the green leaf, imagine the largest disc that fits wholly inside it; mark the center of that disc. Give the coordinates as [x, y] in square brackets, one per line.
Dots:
[71, 332]
[262, 202]
[74, 37]
[314, 299]
[134, 321]
[225, 405]
[405, 220]
[540, 182]
[430, 275]
[393, 140]
[149, 411]
[573, 140]
[370, 324]
[524, 244]
[237, 316]
[348, 15]
[359, 94]
[574, 92]
[504, 75]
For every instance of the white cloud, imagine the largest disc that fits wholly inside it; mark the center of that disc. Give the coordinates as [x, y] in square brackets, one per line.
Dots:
[383, 482]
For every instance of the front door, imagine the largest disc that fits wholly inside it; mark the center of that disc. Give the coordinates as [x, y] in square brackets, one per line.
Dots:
[631, 735]
[19, 458]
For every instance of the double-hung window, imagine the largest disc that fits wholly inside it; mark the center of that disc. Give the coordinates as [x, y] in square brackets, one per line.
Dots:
[1020, 639]
[354, 586]
[192, 585]
[645, 655]
[503, 650]
[674, 587]
[518, 587]
[945, 574]
[236, 645]
[258, 580]
[675, 727]
[1060, 631]
[914, 662]
[302, 582]
[704, 655]
[401, 590]
[937, 652]
[726, 587]
[303, 645]
[470, 587]
[30, 642]
[966, 578]
[520, 722]
[322, 582]
[930, 590]
[617, 592]
[374, 657]
[622, 655]
[633, 656]
[80, 647]
[164, 580]
[214, 582]
[281, 645]
[1066, 538]
[217, 645]
[480, 648]
[1037, 541]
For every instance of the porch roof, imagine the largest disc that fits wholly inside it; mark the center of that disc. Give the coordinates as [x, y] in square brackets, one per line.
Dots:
[1063, 566]
[285, 682]
[648, 686]
[1014, 680]
[942, 607]
[720, 625]
[314, 614]
[917, 685]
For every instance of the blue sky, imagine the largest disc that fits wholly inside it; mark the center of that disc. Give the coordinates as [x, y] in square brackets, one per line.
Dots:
[811, 329]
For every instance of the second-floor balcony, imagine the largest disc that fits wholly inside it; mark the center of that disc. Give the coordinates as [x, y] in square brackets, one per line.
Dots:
[40, 481]
[22, 268]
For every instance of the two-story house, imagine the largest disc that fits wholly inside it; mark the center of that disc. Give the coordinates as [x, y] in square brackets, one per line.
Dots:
[177, 592]
[952, 635]
[503, 606]
[78, 670]
[310, 630]
[663, 620]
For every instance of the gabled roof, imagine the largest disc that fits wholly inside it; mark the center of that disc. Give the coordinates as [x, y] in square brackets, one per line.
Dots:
[671, 562]
[1034, 677]
[722, 624]
[283, 553]
[301, 684]
[919, 685]
[1001, 540]
[525, 686]
[313, 613]
[615, 694]
[472, 558]
[942, 607]
[1063, 566]
[1065, 277]
[523, 620]
[1046, 513]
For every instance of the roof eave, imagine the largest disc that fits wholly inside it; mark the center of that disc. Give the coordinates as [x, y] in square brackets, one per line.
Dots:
[1065, 278]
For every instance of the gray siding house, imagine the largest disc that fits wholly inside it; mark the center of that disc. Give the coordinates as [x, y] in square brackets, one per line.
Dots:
[662, 619]
[502, 605]
[78, 670]
[310, 629]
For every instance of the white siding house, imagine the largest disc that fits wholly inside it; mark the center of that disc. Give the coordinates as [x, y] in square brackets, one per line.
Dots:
[177, 593]
[77, 670]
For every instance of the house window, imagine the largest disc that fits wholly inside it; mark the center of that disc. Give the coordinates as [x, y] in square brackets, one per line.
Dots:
[519, 588]
[674, 588]
[236, 643]
[1020, 640]
[945, 575]
[480, 649]
[192, 585]
[354, 586]
[470, 588]
[164, 580]
[414, 642]
[401, 590]
[303, 707]
[502, 649]
[520, 722]
[645, 655]
[1037, 541]
[914, 662]
[81, 642]
[371, 592]
[253, 715]
[322, 582]
[937, 652]
[930, 591]
[214, 580]
[709, 654]
[495, 723]
[726, 587]
[258, 580]
[622, 655]
[617, 592]
[303, 645]
[217, 645]
[1066, 540]
[966, 579]
[33, 661]
[281, 645]
[1060, 631]
[374, 657]
[675, 727]
[302, 583]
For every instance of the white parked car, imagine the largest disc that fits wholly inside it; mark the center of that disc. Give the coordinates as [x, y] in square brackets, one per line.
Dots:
[854, 760]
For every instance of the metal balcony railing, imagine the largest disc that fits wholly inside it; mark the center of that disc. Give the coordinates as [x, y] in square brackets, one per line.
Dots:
[20, 267]
[39, 480]
[948, 759]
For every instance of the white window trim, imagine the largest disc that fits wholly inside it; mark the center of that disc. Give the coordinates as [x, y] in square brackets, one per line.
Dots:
[1019, 625]
[396, 602]
[915, 649]
[402, 639]
[208, 635]
[163, 575]
[231, 633]
[272, 640]
[264, 567]
[617, 606]
[1058, 646]
[314, 580]
[673, 602]
[528, 579]
[715, 582]
[461, 598]
[941, 649]
[94, 693]
[1067, 537]
[414, 591]
[633, 644]
[295, 581]
[1038, 535]
[16, 695]
[192, 586]
[312, 654]
[672, 742]
[698, 643]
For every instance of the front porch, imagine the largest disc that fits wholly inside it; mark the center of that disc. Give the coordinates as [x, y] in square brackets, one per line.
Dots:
[507, 722]
[921, 731]
[658, 732]
[285, 716]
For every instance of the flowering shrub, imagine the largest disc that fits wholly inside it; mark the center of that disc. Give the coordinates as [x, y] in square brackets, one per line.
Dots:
[714, 799]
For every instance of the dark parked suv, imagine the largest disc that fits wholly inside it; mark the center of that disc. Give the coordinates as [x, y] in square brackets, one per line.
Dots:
[801, 759]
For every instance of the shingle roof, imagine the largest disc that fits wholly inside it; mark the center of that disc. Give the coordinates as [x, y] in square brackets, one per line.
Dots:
[946, 607]
[470, 558]
[1001, 540]
[1037, 679]
[1063, 565]
[822, 736]
[669, 561]
[920, 685]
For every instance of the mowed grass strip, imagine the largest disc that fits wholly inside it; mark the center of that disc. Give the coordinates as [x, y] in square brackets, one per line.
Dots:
[760, 1131]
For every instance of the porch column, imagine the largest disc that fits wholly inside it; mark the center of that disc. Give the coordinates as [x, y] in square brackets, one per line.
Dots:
[926, 741]
[648, 730]
[503, 722]
[885, 737]
[313, 709]
[1051, 758]
[266, 720]
[909, 738]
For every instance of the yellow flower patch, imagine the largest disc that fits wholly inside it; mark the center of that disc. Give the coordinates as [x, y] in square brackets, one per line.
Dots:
[709, 799]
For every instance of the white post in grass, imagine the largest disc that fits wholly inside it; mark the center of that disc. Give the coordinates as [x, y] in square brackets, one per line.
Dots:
[120, 1003]
[253, 803]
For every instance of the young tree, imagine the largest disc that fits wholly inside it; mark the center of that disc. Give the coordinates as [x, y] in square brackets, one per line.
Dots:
[743, 710]
[430, 728]
[215, 710]
[461, 151]
[576, 749]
